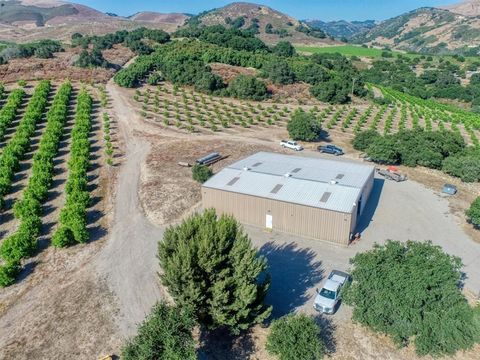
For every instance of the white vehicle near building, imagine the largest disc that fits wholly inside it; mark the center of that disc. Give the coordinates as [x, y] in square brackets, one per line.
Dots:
[290, 144]
[329, 296]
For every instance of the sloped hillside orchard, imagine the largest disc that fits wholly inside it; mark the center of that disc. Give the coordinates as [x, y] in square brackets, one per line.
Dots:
[184, 109]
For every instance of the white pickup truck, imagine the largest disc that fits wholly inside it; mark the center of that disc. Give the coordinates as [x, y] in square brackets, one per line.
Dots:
[291, 145]
[328, 297]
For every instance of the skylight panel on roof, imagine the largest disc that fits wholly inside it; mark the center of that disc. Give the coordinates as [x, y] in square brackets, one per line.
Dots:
[233, 181]
[257, 164]
[325, 197]
[296, 170]
[340, 176]
[276, 189]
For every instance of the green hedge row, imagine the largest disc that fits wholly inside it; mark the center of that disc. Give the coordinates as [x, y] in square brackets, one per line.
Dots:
[18, 146]
[28, 210]
[9, 110]
[73, 217]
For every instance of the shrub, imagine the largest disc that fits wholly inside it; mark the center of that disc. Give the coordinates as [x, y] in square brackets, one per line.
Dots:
[410, 291]
[364, 139]
[295, 337]
[303, 126]
[465, 165]
[248, 87]
[155, 78]
[383, 149]
[333, 91]
[279, 72]
[473, 213]
[9, 272]
[284, 48]
[211, 267]
[166, 334]
[201, 173]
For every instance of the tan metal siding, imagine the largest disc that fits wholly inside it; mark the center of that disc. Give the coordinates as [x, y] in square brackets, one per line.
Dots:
[290, 218]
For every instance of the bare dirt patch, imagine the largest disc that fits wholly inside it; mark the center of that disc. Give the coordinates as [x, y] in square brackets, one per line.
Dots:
[230, 72]
[167, 190]
[60, 67]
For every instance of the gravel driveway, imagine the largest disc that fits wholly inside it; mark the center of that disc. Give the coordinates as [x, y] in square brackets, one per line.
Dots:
[399, 211]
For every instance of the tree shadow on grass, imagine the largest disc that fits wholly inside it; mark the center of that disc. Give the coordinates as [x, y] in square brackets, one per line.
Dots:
[294, 271]
[327, 333]
[220, 345]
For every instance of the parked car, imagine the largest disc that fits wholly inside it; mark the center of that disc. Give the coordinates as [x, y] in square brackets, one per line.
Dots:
[331, 149]
[449, 189]
[328, 298]
[291, 145]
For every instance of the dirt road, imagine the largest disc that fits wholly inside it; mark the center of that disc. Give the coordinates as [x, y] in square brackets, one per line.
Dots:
[128, 260]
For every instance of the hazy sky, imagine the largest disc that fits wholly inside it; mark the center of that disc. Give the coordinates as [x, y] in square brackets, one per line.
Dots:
[301, 9]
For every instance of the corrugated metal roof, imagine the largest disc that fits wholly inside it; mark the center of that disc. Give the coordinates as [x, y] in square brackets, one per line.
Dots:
[307, 186]
[314, 169]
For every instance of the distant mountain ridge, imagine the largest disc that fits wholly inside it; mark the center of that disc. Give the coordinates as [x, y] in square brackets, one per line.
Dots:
[272, 24]
[342, 28]
[426, 30]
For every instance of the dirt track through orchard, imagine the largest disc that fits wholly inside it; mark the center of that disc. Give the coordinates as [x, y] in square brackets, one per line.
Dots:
[128, 260]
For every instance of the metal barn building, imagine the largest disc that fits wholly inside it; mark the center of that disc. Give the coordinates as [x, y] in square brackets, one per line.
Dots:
[309, 197]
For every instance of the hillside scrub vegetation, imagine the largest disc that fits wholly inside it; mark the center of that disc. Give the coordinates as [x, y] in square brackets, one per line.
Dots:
[304, 126]
[442, 80]
[210, 266]
[410, 291]
[166, 334]
[295, 337]
[44, 49]
[442, 149]
[186, 62]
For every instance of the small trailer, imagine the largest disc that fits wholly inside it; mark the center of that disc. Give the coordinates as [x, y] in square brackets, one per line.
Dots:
[210, 159]
[391, 173]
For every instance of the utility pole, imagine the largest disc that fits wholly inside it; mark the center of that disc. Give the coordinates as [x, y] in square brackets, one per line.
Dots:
[353, 84]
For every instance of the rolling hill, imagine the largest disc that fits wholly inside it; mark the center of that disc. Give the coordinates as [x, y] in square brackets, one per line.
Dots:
[29, 20]
[272, 25]
[342, 28]
[427, 30]
[466, 8]
[155, 17]
[31, 13]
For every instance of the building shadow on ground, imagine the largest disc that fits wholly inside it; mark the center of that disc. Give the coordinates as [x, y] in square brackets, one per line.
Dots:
[294, 271]
[372, 204]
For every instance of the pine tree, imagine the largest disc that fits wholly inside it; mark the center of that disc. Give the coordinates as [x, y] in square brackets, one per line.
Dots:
[211, 267]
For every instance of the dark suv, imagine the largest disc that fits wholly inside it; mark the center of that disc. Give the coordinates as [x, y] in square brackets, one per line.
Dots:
[330, 149]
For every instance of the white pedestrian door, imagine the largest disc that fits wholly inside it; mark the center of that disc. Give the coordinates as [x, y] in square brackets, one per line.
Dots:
[269, 221]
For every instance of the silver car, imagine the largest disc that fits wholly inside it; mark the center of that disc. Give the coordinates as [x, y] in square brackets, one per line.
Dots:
[329, 296]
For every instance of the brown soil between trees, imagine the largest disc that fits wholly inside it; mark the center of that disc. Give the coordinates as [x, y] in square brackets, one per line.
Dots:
[59, 308]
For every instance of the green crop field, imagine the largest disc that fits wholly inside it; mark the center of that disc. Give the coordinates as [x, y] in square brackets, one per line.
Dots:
[347, 50]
